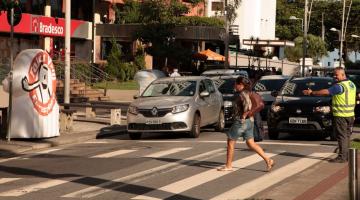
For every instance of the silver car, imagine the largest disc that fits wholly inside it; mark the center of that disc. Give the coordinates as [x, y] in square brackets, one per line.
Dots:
[176, 104]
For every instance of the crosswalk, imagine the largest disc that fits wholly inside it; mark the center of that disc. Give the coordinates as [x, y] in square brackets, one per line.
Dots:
[186, 170]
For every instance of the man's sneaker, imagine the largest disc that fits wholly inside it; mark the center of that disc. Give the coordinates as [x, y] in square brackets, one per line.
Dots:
[338, 160]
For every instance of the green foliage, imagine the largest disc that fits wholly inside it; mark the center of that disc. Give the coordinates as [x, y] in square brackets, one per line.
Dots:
[316, 48]
[287, 29]
[231, 10]
[199, 21]
[130, 13]
[114, 60]
[139, 60]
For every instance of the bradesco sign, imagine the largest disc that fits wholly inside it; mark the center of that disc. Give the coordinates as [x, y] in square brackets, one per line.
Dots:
[47, 26]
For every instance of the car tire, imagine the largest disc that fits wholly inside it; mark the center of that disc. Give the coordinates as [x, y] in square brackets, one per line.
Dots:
[195, 128]
[135, 136]
[273, 134]
[220, 124]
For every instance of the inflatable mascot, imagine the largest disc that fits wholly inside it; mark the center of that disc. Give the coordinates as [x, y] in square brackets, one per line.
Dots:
[35, 112]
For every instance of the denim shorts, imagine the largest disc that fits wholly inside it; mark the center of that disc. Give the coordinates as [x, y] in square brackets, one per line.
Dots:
[238, 129]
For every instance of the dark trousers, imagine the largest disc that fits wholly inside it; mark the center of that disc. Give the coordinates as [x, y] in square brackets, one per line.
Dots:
[258, 127]
[343, 128]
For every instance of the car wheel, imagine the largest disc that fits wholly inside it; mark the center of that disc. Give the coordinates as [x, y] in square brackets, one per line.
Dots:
[273, 134]
[195, 129]
[220, 125]
[135, 136]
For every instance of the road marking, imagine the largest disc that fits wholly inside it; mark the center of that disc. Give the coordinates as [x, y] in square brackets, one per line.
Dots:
[6, 180]
[249, 189]
[199, 179]
[8, 159]
[167, 152]
[25, 157]
[142, 175]
[96, 142]
[46, 151]
[224, 141]
[113, 153]
[32, 188]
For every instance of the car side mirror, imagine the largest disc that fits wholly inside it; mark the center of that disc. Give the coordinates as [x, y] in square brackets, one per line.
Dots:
[274, 93]
[135, 96]
[204, 94]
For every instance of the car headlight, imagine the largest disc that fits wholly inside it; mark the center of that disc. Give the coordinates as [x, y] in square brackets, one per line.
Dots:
[227, 103]
[276, 108]
[133, 110]
[323, 109]
[180, 108]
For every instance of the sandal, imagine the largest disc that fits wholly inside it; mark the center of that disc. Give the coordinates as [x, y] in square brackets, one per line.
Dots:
[270, 163]
[224, 169]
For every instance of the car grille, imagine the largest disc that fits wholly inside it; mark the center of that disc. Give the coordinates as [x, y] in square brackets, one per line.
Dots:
[144, 127]
[161, 112]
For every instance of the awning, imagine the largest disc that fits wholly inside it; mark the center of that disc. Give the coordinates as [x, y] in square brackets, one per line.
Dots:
[268, 43]
[208, 55]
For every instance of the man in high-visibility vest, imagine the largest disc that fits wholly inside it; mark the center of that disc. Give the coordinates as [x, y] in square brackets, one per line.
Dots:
[343, 104]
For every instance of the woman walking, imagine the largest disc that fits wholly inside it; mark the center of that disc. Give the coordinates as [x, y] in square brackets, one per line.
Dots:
[243, 125]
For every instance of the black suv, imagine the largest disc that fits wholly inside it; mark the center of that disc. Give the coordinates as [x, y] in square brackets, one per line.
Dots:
[294, 112]
[225, 85]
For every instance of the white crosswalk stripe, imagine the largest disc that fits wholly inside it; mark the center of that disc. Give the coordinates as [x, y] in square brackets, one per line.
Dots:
[207, 176]
[32, 188]
[114, 153]
[113, 184]
[167, 152]
[250, 188]
[143, 175]
[7, 180]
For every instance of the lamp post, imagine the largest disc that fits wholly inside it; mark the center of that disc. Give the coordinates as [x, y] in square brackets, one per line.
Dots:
[357, 37]
[340, 39]
[302, 21]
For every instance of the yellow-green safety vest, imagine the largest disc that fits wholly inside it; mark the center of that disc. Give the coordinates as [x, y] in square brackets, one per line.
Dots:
[343, 104]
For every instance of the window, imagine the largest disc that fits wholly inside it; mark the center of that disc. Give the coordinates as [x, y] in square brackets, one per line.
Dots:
[217, 6]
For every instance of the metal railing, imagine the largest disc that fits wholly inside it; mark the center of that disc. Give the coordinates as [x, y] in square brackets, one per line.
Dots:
[84, 72]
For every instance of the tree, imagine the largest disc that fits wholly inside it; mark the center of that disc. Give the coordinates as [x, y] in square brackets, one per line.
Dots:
[316, 49]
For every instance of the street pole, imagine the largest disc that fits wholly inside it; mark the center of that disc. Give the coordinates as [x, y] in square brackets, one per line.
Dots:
[226, 53]
[322, 27]
[11, 73]
[342, 33]
[305, 37]
[93, 34]
[67, 51]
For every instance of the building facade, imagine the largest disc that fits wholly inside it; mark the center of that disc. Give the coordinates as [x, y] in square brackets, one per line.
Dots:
[255, 18]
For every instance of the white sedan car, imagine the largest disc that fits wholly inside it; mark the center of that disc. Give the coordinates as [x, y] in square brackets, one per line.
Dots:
[176, 104]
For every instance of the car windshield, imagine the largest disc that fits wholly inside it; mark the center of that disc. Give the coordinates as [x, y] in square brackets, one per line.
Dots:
[269, 85]
[225, 86]
[354, 78]
[295, 87]
[166, 88]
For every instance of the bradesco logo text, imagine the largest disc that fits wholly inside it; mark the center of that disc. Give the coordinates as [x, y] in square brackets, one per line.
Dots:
[51, 29]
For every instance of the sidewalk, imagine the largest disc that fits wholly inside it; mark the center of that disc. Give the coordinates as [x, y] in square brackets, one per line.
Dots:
[82, 131]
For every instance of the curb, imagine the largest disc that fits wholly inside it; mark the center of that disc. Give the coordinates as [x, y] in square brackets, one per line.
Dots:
[18, 147]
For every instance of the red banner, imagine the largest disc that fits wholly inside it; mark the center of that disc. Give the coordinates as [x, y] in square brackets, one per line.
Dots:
[45, 26]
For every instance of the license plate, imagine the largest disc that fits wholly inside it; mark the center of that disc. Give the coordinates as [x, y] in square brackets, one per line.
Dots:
[297, 120]
[153, 121]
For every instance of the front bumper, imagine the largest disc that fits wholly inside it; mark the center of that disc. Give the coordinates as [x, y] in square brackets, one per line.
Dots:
[179, 122]
[315, 123]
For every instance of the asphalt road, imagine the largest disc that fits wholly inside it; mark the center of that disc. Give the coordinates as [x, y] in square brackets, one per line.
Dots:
[162, 166]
